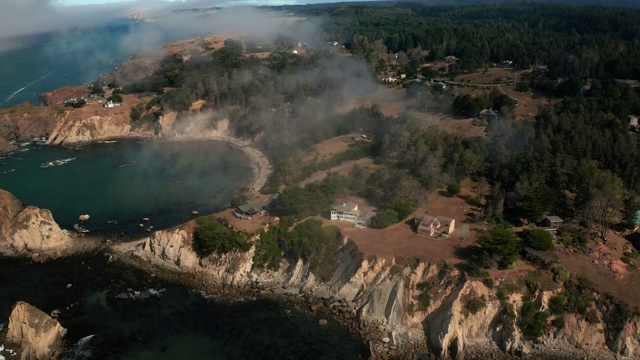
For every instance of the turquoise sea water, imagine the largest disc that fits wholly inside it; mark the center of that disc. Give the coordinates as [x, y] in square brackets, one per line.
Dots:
[126, 181]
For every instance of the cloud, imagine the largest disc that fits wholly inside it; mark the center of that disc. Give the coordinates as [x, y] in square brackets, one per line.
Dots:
[21, 18]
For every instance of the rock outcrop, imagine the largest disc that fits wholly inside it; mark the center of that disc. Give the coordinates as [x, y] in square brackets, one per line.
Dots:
[31, 230]
[34, 230]
[10, 207]
[381, 302]
[33, 334]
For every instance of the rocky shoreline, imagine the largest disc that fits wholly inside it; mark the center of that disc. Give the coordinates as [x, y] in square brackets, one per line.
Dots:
[352, 303]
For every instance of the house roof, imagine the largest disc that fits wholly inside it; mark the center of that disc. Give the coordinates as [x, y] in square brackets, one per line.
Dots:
[252, 208]
[349, 206]
[368, 213]
[426, 220]
[488, 111]
[445, 221]
[628, 82]
[554, 218]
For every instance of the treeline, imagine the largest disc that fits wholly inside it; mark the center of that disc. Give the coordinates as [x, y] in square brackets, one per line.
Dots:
[585, 41]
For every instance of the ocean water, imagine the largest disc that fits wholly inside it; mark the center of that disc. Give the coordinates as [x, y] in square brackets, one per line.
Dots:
[118, 184]
[114, 312]
[76, 56]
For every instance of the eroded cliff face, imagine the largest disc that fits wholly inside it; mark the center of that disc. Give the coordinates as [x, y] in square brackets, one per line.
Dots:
[33, 334]
[382, 301]
[31, 231]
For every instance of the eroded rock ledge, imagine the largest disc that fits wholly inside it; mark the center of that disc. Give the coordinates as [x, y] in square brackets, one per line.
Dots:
[375, 299]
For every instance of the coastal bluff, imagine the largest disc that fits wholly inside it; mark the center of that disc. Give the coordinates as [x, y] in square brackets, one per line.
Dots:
[32, 334]
[380, 300]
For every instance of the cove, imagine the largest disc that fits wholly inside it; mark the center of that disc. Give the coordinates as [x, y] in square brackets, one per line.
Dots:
[120, 183]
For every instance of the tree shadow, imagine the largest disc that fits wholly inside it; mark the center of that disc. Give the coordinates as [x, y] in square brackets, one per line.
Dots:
[471, 200]
[445, 193]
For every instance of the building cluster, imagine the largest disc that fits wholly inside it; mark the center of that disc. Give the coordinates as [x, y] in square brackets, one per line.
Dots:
[75, 101]
[111, 104]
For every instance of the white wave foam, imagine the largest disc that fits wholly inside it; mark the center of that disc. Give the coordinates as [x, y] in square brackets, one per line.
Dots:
[24, 87]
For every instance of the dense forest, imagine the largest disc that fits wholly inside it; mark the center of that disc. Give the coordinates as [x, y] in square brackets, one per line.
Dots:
[576, 158]
[583, 41]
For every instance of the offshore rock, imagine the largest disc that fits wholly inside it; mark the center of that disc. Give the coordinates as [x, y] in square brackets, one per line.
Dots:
[33, 334]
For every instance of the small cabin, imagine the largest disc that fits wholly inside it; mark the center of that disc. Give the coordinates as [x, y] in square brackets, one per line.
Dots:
[552, 222]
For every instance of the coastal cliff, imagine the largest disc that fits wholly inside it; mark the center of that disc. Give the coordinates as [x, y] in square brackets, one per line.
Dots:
[382, 301]
[34, 335]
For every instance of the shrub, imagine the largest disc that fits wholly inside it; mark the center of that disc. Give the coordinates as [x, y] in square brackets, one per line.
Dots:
[474, 305]
[424, 300]
[560, 274]
[425, 285]
[532, 322]
[557, 304]
[558, 323]
[414, 262]
[453, 188]
[488, 282]
[115, 98]
[384, 218]
[78, 104]
[135, 113]
[395, 270]
[538, 239]
[213, 235]
[572, 238]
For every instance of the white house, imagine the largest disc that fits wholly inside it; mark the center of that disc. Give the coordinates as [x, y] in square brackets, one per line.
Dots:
[346, 212]
[111, 104]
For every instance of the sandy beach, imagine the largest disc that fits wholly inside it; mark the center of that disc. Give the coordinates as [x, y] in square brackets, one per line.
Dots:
[261, 165]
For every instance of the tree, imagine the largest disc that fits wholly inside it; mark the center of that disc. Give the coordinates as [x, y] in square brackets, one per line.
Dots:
[630, 213]
[428, 72]
[79, 103]
[538, 239]
[453, 188]
[213, 235]
[115, 98]
[501, 243]
[135, 113]
[402, 208]
[96, 88]
[384, 218]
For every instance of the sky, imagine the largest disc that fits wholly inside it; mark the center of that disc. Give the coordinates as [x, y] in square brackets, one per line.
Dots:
[94, 2]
